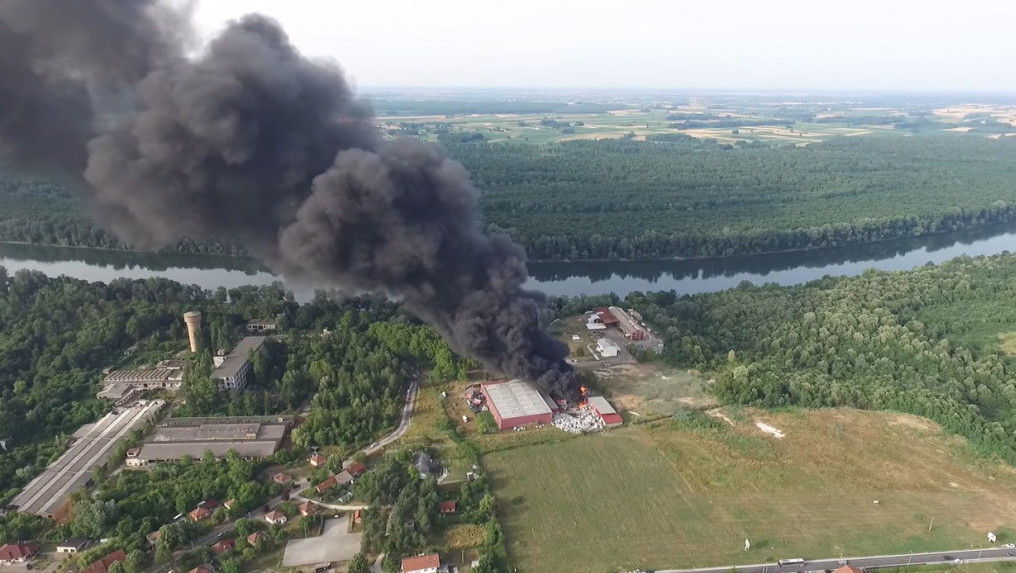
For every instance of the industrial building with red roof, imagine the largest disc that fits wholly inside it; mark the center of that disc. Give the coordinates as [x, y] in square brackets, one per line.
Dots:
[516, 403]
[605, 411]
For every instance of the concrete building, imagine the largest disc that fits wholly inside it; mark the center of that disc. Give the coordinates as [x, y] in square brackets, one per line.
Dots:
[121, 386]
[516, 403]
[233, 372]
[251, 437]
[91, 447]
[422, 564]
[607, 348]
[71, 545]
[605, 411]
[260, 326]
[193, 320]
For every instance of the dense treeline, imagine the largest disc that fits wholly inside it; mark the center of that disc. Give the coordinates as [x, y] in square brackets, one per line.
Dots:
[673, 196]
[923, 342]
[613, 199]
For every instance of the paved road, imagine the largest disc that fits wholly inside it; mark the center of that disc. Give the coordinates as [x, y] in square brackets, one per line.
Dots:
[961, 556]
[407, 414]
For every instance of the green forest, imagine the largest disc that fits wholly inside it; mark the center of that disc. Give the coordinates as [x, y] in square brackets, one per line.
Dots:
[672, 196]
[58, 334]
[925, 342]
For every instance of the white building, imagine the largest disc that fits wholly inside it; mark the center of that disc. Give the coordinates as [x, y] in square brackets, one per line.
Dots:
[607, 347]
[234, 370]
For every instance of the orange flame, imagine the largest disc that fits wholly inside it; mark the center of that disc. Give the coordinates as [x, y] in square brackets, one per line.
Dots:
[582, 390]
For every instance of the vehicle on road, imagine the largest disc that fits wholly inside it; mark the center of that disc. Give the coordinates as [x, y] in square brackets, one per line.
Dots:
[793, 561]
[1010, 546]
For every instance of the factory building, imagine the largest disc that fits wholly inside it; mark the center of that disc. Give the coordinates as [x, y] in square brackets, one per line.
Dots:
[122, 386]
[607, 348]
[251, 437]
[605, 411]
[516, 403]
[232, 371]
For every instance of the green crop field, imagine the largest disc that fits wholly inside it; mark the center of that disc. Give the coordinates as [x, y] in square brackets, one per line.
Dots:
[688, 494]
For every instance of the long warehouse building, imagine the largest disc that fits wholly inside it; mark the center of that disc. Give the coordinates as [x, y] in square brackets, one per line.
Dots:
[92, 446]
[516, 403]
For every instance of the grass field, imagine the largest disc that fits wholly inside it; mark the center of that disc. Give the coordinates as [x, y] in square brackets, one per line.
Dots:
[676, 496]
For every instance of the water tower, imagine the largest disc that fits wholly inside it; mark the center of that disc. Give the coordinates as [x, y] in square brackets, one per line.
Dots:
[193, 320]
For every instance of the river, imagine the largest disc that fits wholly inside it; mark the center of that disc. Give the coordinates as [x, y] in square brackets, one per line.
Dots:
[575, 278]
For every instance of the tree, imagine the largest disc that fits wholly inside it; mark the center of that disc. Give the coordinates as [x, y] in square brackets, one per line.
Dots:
[358, 564]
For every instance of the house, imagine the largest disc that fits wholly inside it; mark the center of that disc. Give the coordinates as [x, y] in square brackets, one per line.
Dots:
[308, 508]
[200, 514]
[203, 568]
[257, 537]
[423, 464]
[356, 468]
[282, 479]
[17, 553]
[276, 517]
[317, 460]
[71, 545]
[421, 564]
[848, 569]
[344, 477]
[446, 507]
[223, 546]
[326, 485]
[103, 565]
[356, 516]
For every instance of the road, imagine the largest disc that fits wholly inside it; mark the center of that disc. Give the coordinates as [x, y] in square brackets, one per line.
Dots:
[964, 556]
[407, 414]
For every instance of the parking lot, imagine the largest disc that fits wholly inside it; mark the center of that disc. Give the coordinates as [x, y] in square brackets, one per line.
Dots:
[334, 544]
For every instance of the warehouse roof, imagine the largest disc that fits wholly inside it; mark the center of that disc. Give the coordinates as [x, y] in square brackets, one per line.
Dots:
[238, 357]
[605, 343]
[601, 405]
[176, 450]
[219, 432]
[516, 398]
[143, 375]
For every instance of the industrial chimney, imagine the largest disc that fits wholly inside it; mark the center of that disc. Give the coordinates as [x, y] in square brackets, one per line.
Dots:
[193, 320]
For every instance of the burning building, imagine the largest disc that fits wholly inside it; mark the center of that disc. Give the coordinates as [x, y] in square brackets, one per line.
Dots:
[516, 403]
[605, 411]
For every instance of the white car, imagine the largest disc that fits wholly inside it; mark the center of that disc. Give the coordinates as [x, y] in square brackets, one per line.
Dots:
[1010, 546]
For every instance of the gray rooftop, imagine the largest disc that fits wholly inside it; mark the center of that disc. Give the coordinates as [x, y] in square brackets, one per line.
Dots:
[236, 359]
[218, 432]
[143, 375]
[602, 405]
[161, 451]
[516, 398]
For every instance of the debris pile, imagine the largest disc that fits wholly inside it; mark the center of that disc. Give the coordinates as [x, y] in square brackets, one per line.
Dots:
[579, 422]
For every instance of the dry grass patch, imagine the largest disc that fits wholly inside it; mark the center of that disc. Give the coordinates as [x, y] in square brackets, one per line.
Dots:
[464, 536]
[665, 495]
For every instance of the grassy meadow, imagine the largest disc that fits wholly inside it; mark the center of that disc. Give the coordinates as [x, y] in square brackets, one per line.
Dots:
[680, 494]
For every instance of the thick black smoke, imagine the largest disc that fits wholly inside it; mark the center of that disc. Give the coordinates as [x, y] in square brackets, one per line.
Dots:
[251, 141]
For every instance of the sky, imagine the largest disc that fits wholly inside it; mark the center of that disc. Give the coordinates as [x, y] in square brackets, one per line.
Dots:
[771, 45]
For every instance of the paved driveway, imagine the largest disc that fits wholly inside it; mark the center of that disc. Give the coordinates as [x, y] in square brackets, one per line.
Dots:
[334, 544]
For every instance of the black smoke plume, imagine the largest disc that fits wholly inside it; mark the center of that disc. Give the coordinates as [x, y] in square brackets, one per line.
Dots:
[251, 141]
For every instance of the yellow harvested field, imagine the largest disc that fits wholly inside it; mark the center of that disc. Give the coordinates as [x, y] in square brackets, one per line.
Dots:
[669, 494]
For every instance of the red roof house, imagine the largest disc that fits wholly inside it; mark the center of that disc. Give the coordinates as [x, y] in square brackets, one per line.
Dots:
[256, 537]
[317, 460]
[203, 568]
[446, 507]
[356, 468]
[326, 485]
[847, 569]
[223, 546]
[17, 552]
[200, 514]
[308, 508]
[282, 479]
[103, 565]
[421, 563]
[275, 517]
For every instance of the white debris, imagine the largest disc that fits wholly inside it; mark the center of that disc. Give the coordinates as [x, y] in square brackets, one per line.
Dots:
[578, 421]
[769, 429]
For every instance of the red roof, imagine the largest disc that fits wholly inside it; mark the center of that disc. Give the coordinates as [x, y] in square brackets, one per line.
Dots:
[612, 418]
[282, 478]
[274, 516]
[103, 565]
[446, 507]
[318, 460]
[356, 468]
[325, 485]
[199, 513]
[17, 551]
[203, 568]
[847, 569]
[223, 546]
[308, 508]
[256, 537]
[421, 562]
[606, 317]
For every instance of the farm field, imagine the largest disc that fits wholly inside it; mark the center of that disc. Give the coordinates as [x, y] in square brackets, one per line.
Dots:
[686, 494]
